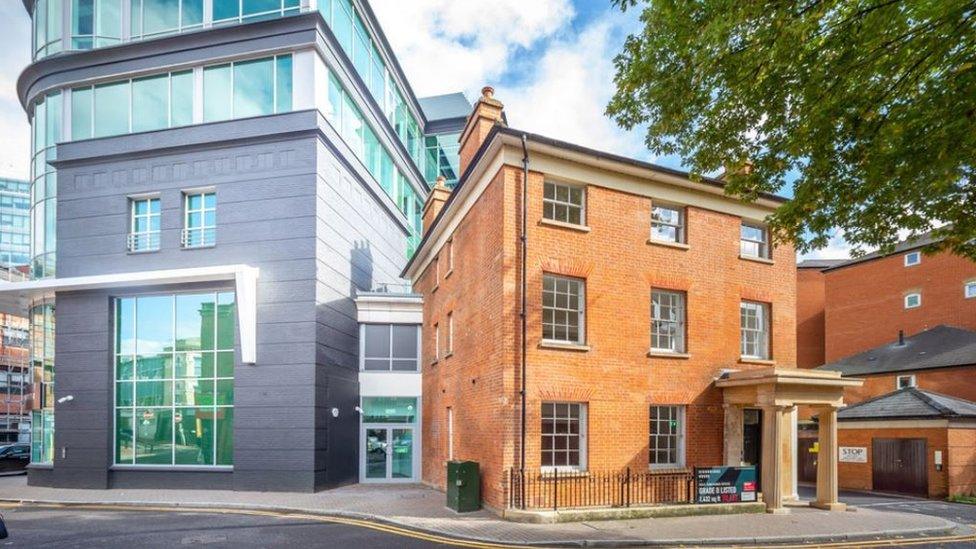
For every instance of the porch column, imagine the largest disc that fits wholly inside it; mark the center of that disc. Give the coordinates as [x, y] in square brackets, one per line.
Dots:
[732, 435]
[772, 458]
[827, 461]
[788, 463]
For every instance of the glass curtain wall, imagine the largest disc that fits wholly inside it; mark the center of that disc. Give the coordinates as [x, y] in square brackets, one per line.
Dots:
[98, 23]
[174, 379]
[348, 120]
[42, 371]
[443, 158]
[46, 128]
[351, 33]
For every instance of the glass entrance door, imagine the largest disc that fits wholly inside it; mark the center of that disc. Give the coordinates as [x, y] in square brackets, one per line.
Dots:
[388, 453]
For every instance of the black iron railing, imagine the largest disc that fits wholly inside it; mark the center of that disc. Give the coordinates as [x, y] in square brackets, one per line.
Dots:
[576, 489]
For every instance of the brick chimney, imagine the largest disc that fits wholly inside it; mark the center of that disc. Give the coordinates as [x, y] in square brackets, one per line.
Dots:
[435, 201]
[487, 112]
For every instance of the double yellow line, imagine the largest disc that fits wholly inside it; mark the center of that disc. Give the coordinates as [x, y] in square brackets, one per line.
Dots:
[434, 538]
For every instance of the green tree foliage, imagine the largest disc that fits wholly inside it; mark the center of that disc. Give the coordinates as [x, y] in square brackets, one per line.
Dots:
[872, 103]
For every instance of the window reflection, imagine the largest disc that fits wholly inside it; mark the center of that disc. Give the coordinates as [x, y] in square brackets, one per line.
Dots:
[174, 373]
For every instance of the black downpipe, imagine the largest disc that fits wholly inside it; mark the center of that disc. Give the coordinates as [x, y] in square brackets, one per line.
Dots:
[524, 242]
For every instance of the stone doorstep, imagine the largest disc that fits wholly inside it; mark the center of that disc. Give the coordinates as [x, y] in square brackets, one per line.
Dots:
[622, 513]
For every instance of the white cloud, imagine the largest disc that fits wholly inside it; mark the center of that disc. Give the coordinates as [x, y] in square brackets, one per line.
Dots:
[554, 79]
[14, 56]
[836, 248]
[445, 45]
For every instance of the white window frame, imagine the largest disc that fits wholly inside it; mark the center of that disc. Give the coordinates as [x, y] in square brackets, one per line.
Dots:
[679, 341]
[450, 334]
[679, 227]
[580, 310]
[764, 312]
[680, 434]
[583, 421]
[911, 381]
[909, 296]
[913, 258]
[203, 229]
[390, 325]
[151, 235]
[765, 250]
[568, 204]
[969, 289]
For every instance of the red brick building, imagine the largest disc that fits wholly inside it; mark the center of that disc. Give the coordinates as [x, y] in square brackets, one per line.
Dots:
[642, 287]
[900, 321]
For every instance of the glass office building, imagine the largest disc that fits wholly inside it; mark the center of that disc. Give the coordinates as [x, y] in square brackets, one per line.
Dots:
[212, 182]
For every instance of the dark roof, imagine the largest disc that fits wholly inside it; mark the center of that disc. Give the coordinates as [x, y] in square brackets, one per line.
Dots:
[909, 403]
[499, 129]
[820, 263]
[441, 107]
[904, 246]
[937, 347]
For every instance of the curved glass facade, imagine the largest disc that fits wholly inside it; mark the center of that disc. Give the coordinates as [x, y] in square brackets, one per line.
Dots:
[46, 128]
[101, 23]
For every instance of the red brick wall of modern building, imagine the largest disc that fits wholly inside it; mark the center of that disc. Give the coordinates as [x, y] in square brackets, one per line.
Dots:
[614, 377]
[959, 382]
[865, 301]
[809, 318]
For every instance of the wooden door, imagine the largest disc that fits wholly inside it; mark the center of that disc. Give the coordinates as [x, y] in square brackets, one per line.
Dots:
[900, 465]
[806, 461]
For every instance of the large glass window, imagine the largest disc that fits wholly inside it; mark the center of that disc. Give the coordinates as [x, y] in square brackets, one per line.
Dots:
[150, 103]
[247, 88]
[111, 109]
[154, 102]
[144, 226]
[389, 410]
[150, 18]
[238, 11]
[755, 330]
[47, 27]
[666, 448]
[174, 379]
[563, 203]
[95, 23]
[563, 435]
[754, 241]
[42, 330]
[391, 347]
[199, 219]
[563, 309]
[46, 128]
[667, 321]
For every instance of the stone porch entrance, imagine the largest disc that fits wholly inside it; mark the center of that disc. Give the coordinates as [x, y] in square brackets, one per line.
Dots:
[777, 392]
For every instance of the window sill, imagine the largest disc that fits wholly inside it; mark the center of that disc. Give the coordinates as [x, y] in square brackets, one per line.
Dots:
[668, 468]
[550, 474]
[763, 361]
[564, 225]
[762, 260]
[666, 354]
[560, 346]
[434, 289]
[434, 362]
[449, 355]
[666, 244]
[200, 247]
[140, 252]
[178, 468]
[449, 273]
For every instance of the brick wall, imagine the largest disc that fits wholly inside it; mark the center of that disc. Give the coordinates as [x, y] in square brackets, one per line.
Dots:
[865, 301]
[614, 377]
[961, 461]
[809, 318]
[858, 476]
[958, 382]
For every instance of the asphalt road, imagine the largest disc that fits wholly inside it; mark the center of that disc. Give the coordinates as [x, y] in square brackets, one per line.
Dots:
[66, 528]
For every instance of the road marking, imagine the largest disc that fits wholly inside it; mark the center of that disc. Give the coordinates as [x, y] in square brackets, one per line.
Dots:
[387, 528]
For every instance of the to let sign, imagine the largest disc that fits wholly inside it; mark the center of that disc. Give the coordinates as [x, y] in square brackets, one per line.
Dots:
[853, 454]
[725, 484]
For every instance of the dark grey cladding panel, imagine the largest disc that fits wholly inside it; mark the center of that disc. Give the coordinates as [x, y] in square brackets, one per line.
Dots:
[171, 480]
[186, 48]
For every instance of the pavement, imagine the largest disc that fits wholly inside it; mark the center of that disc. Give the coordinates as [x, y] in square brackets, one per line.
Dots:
[419, 509]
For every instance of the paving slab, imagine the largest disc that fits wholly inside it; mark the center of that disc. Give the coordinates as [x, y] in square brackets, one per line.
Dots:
[422, 508]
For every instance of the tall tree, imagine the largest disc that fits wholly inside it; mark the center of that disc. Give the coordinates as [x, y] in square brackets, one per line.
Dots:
[866, 107]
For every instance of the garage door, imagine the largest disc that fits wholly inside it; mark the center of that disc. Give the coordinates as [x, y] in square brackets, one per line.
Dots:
[899, 465]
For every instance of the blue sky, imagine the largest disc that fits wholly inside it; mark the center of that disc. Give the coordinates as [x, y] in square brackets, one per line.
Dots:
[550, 62]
